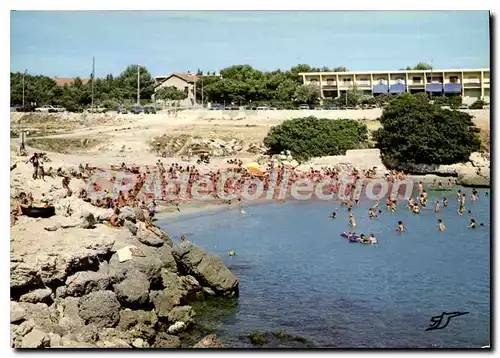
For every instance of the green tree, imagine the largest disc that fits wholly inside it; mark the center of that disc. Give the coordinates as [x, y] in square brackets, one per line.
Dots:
[170, 94]
[421, 66]
[312, 137]
[307, 94]
[128, 81]
[340, 69]
[415, 132]
[478, 104]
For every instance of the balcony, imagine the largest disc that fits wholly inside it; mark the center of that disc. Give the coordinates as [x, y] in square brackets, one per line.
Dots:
[329, 83]
[363, 84]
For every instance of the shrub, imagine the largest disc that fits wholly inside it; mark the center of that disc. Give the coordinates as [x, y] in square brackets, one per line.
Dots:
[479, 104]
[312, 137]
[415, 132]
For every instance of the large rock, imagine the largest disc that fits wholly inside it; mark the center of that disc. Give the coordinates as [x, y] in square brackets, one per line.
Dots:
[164, 340]
[130, 319]
[148, 238]
[43, 295]
[35, 339]
[46, 318]
[134, 290]
[181, 314]
[131, 227]
[472, 178]
[177, 327]
[479, 160]
[84, 282]
[17, 313]
[210, 341]
[209, 270]
[101, 308]
[50, 262]
[150, 265]
[70, 321]
[127, 214]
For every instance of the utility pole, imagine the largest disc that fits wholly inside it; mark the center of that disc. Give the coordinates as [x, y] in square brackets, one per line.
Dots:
[93, 76]
[431, 81]
[138, 85]
[24, 74]
[202, 102]
[194, 89]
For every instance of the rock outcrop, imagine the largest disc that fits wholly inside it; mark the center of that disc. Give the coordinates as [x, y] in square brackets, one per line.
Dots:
[70, 288]
[209, 270]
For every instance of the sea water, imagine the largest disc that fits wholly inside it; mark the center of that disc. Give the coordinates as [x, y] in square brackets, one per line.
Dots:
[299, 275]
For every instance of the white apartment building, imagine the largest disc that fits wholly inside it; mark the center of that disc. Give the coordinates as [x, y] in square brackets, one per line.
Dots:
[471, 84]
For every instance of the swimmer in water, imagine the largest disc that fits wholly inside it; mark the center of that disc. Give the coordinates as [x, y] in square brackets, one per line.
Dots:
[416, 209]
[441, 225]
[363, 239]
[352, 220]
[401, 227]
[333, 215]
[445, 202]
[371, 213]
[472, 224]
[436, 207]
[377, 203]
[372, 239]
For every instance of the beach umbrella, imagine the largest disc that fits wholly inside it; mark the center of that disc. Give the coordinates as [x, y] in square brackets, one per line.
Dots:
[255, 168]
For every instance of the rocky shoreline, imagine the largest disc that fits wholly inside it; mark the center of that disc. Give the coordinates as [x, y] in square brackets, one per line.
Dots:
[94, 286]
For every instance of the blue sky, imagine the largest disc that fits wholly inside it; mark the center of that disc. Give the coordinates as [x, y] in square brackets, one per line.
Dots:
[62, 43]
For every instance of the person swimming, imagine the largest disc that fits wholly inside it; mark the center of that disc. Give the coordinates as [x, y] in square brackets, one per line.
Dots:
[333, 215]
[445, 202]
[416, 209]
[436, 207]
[372, 239]
[352, 220]
[472, 224]
[371, 213]
[441, 225]
[363, 239]
[401, 227]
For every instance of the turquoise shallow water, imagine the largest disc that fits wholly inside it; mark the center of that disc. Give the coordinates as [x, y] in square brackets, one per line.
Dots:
[298, 274]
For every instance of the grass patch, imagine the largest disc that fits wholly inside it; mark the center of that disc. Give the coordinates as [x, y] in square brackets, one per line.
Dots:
[64, 145]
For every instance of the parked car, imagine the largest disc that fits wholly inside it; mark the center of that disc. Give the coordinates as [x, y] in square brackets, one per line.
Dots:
[75, 109]
[217, 107]
[121, 110]
[46, 108]
[149, 110]
[136, 109]
[26, 108]
[304, 106]
[98, 109]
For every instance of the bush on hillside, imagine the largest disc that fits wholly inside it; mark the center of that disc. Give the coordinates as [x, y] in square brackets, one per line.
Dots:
[316, 137]
[416, 132]
[479, 104]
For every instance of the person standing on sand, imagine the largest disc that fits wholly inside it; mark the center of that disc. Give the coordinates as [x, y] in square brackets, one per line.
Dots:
[35, 161]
